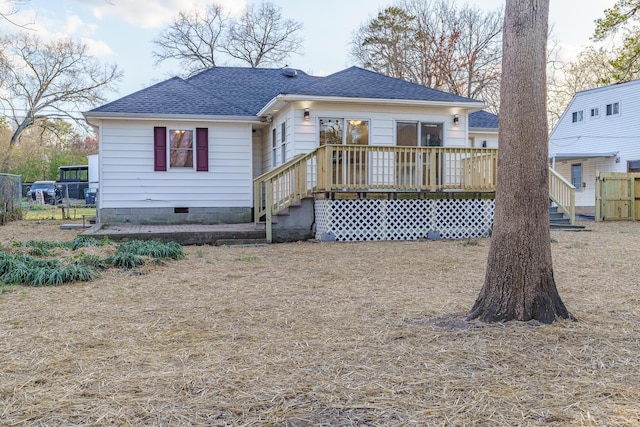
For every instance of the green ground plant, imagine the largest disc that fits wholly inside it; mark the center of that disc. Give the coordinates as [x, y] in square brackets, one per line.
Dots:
[42, 266]
[153, 249]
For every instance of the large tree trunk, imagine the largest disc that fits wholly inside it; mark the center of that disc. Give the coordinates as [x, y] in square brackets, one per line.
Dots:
[519, 283]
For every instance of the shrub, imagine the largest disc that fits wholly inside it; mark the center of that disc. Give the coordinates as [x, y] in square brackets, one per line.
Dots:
[125, 260]
[30, 271]
[153, 249]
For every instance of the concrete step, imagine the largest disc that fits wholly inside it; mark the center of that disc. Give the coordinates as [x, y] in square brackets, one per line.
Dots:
[568, 227]
[240, 242]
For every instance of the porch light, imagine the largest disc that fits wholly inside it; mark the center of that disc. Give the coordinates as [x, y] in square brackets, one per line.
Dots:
[306, 114]
[456, 120]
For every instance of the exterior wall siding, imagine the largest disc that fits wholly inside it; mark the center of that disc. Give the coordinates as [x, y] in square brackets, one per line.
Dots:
[381, 119]
[598, 134]
[491, 139]
[128, 179]
[303, 135]
[603, 133]
[586, 196]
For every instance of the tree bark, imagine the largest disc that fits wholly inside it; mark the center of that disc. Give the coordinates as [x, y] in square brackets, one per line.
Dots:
[519, 282]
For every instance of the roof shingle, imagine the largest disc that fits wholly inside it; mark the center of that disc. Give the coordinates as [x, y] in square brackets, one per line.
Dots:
[241, 91]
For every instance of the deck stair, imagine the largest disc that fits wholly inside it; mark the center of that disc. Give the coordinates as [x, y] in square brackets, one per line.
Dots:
[560, 221]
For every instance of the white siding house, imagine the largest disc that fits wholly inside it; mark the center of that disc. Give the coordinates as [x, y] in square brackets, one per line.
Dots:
[597, 133]
[188, 151]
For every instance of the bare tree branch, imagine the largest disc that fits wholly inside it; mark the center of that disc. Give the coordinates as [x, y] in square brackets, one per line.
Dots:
[435, 43]
[193, 39]
[199, 39]
[58, 75]
[6, 13]
[262, 36]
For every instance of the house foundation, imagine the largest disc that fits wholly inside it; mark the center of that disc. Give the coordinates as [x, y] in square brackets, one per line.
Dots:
[403, 219]
[175, 215]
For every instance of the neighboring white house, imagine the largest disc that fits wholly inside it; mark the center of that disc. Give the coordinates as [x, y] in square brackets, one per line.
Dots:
[188, 150]
[598, 132]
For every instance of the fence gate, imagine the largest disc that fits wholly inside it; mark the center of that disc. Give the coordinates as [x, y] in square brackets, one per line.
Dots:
[617, 196]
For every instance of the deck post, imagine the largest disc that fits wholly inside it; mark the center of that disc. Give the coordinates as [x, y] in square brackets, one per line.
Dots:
[598, 197]
[632, 197]
[328, 171]
[268, 209]
[572, 206]
[256, 202]
[432, 171]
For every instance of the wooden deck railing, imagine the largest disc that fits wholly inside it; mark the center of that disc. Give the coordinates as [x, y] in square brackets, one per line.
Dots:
[283, 186]
[357, 168]
[563, 194]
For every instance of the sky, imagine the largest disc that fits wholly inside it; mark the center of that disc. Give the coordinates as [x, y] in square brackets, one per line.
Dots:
[122, 31]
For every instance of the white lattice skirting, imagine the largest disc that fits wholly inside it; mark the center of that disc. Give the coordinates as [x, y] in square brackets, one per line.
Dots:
[355, 220]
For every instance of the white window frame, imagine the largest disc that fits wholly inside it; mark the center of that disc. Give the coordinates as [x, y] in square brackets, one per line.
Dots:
[193, 148]
[594, 112]
[612, 109]
[345, 125]
[283, 142]
[419, 124]
[574, 179]
[577, 116]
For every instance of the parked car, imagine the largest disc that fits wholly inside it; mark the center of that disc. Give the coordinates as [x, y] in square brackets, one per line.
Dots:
[51, 192]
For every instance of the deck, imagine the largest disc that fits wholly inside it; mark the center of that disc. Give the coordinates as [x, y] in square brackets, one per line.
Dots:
[433, 174]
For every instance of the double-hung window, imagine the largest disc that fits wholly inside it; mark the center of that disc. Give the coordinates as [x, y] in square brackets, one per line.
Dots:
[181, 148]
[613, 109]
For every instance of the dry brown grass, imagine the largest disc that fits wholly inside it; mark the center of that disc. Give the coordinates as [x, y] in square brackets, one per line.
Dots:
[324, 334]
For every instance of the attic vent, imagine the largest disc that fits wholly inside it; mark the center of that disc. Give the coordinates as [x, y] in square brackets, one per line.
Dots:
[289, 72]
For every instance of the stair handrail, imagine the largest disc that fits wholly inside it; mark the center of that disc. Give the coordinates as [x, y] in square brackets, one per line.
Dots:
[283, 186]
[563, 194]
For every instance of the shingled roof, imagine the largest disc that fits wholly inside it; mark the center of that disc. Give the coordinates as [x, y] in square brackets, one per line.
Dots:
[483, 120]
[241, 91]
[355, 82]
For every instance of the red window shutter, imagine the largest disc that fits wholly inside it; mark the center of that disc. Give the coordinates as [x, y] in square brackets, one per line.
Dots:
[159, 149]
[202, 149]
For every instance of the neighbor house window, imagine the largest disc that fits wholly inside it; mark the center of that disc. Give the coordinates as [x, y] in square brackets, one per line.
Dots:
[175, 148]
[613, 109]
[633, 166]
[595, 112]
[576, 116]
[576, 175]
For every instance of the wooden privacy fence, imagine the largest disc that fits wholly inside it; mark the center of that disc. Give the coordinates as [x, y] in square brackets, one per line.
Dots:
[10, 197]
[617, 196]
